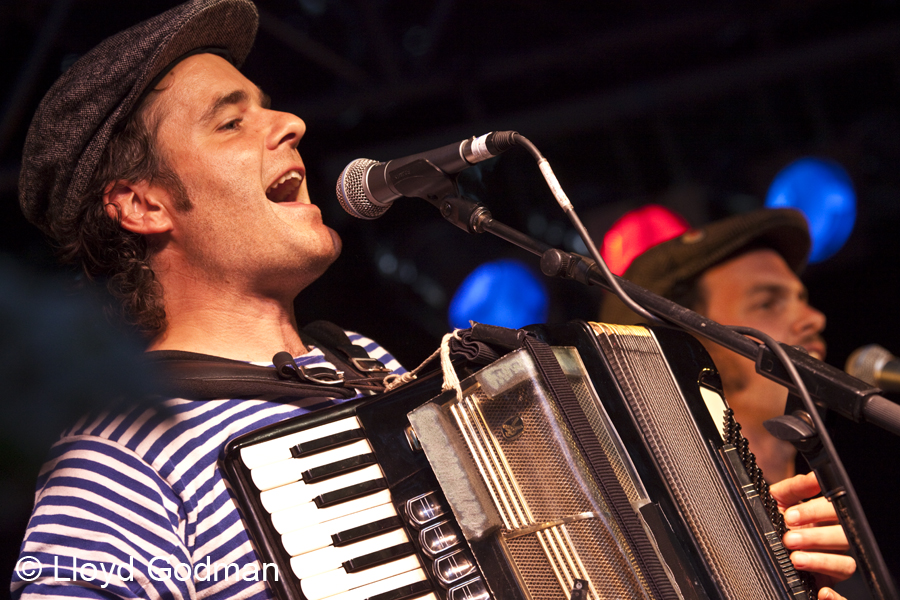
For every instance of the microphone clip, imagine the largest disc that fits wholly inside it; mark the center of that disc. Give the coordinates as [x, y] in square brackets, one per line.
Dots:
[463, 212]
[422, 179]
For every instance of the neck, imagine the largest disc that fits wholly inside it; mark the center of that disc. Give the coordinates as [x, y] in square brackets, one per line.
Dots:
[221, 321]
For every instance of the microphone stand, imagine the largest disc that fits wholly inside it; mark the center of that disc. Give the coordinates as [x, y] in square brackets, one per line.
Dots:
[828, 386]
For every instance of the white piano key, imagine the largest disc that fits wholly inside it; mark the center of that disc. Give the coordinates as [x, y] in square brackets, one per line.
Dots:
[386, 585]
[337, 581]
[299, 492]
[319, 536]
[307, 515]
[332, 557]
[283, 472]
[280, 449]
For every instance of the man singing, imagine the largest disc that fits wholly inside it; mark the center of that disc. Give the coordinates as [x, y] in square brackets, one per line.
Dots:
[156, 165]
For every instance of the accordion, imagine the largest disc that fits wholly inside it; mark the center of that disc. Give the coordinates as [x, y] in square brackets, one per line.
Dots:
[600, 462]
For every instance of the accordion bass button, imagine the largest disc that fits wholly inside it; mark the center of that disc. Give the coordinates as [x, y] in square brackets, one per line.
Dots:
[453, 567]
[438, 537]
[474, 589]
[424, 508]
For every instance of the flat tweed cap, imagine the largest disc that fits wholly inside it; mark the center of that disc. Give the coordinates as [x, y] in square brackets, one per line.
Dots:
[86, 105]
[665, 265]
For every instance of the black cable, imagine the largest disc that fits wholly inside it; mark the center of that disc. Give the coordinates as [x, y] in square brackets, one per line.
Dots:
[583, 233]
[800, 386]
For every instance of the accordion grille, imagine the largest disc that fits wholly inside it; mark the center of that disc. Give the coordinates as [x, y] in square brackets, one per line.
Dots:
[693, 477]
[610, 580]
[586, 400]
[539, 478]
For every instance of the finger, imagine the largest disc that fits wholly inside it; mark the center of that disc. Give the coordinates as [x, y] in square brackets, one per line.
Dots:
[815, 512]
[817, 538]
[794, 489]
[836, 566]
[829, 594]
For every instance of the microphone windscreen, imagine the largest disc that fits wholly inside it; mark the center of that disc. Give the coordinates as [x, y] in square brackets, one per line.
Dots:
[867, 362]
[351, 191]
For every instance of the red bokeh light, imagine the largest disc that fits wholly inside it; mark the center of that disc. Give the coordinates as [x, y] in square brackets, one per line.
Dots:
[637, 231]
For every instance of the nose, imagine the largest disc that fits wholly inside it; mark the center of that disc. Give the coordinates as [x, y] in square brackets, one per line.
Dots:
[286, 129]
[810, 322]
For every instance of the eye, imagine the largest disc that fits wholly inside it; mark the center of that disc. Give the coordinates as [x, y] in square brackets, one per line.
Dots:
[231, 125]
[771, 303]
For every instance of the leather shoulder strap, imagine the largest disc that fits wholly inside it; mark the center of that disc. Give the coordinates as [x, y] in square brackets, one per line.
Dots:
[351, 358]
[205, 377]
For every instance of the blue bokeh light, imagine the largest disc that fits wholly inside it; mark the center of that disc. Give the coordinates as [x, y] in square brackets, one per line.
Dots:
[822, 190]
[501, 292]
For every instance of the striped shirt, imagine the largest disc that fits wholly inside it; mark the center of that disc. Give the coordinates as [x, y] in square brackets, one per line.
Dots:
[132, 503]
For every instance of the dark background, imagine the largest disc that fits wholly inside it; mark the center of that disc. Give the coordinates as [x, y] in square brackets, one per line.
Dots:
[692, 104]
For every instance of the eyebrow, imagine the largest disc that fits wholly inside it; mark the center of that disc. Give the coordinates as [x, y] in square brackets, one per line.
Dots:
[232, 98]
[776, 288]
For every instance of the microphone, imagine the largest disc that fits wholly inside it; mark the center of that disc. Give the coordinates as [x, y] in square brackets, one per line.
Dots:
[875, 365]
[367, 188]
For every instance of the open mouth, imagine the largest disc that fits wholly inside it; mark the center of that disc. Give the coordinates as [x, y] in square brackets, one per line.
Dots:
[816, 350]
[286, 188]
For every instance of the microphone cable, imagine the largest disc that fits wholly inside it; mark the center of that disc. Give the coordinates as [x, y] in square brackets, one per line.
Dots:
[566, 205]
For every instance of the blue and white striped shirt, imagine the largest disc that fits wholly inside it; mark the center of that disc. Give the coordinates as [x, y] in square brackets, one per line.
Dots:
[132, 504]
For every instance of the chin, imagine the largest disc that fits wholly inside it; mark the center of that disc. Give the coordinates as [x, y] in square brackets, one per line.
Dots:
[336, 243]
[327, 250]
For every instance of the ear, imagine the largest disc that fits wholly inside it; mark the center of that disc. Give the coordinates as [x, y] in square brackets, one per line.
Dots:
[139, 205]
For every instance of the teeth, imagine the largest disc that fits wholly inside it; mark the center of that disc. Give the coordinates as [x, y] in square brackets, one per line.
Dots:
[815, 353]
[279, 192]
[286, 176]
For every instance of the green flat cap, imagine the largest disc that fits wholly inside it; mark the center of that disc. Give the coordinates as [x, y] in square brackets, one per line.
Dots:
[665, 265]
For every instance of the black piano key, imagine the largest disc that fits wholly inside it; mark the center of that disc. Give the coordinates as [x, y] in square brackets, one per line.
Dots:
[349, 493]
[324, 443]
[373, 559]
[366, 531]
[406, 592]
[336, 468]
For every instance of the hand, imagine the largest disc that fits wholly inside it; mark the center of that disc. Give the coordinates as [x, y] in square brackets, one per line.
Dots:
[813, 532]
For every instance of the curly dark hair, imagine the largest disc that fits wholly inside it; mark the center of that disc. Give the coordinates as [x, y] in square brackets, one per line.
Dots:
[95, 240]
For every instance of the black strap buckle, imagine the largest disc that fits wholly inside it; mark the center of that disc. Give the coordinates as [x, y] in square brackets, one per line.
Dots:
[320, 375]
[288, 368]
[369, 365]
